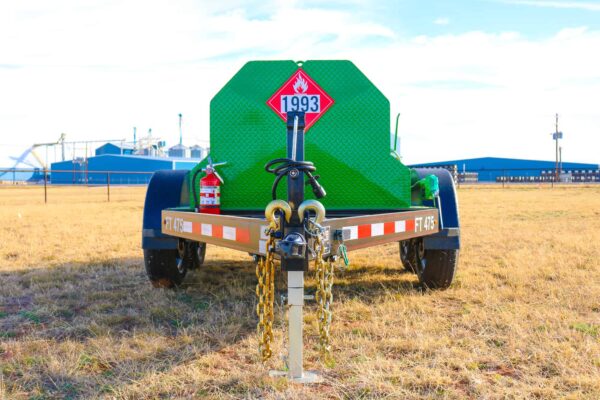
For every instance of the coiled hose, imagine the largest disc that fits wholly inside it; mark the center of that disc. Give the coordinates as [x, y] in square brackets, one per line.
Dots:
[283, 166]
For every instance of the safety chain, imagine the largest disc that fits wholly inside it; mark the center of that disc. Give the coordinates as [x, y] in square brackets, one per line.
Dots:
[323, 297]
[265, 292]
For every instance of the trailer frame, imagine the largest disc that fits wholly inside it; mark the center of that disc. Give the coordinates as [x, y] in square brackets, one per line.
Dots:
[248, 233]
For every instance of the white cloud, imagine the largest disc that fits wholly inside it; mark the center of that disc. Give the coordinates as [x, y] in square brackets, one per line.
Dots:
[96, 71]
[506, 90]
[581, 5]
[441, 21]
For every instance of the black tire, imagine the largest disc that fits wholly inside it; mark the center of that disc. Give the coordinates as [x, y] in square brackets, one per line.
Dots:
[436, 268]
[191, 254]
[164, 267]
[408, 256]
[199, 251]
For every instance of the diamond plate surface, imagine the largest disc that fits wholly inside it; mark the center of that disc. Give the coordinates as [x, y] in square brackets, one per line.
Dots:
[349, 144]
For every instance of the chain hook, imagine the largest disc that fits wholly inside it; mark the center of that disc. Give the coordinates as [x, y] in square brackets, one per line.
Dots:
[271, 213]
[312, 205]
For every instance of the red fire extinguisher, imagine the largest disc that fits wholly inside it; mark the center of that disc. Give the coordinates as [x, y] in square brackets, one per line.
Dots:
[210, 191]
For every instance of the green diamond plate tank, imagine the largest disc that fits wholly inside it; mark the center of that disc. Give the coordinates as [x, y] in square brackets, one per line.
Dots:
[349, 143]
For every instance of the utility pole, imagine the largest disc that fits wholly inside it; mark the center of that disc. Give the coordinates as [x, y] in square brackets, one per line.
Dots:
[556, 135]
[180, 134]
[556, 142]
[62, 145]
[560, 159]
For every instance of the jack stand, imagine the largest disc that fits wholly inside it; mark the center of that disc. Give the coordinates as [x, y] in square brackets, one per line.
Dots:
[296, 372]
[294, 265]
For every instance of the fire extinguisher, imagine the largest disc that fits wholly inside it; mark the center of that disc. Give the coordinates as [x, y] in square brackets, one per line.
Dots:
[210, 190]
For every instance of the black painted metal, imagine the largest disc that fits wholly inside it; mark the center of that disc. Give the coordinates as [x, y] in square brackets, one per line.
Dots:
[295, 189]
[166, 189]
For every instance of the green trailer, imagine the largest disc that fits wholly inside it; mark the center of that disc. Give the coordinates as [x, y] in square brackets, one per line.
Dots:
[303, 149]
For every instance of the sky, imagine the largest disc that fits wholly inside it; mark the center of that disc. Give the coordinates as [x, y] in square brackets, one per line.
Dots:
[471, 78]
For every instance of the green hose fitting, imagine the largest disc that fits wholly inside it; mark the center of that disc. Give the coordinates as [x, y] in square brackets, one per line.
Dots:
[429, 186]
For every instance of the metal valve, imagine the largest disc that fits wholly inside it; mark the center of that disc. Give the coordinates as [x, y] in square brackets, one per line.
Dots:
[210, 168]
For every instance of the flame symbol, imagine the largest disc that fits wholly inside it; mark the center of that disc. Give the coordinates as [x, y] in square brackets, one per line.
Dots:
[300, 86]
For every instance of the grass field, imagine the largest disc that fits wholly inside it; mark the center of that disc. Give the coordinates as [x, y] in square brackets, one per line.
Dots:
[78, 318]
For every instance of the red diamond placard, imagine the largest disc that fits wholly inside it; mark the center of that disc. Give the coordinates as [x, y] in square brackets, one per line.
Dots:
[301, 93]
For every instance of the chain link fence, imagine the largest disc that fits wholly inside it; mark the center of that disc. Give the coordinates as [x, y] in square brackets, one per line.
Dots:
[98, 185]
[115, 185]
[512, 176]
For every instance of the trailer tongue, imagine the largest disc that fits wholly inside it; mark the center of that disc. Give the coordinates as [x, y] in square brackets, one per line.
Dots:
[349, 208]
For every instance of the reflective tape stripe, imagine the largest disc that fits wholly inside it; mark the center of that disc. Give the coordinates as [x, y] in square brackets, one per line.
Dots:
[242, 235]
[228, 233]
[206, 230]
[377, 229]
[400, 226]
[364, 231]
[353, 232]
[389, 228]
[380, 229]
[217, 231]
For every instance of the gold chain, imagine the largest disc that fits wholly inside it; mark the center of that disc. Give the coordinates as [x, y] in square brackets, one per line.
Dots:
[323, 297]
[265, 291]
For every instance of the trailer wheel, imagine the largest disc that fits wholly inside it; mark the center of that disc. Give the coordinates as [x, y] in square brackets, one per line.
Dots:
[164, 267]
[436, 268]
[408, 255]
[198, 251]
[191, 254]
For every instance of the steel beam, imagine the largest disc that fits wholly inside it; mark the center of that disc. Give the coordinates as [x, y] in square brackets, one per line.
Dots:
[247, 233]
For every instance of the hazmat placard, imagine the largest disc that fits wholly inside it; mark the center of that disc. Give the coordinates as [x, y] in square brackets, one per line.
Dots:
[301, 93]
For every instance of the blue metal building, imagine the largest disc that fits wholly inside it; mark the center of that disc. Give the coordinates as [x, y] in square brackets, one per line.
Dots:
[72, 171]
[112, 148]
[120, 169]
[490, 169]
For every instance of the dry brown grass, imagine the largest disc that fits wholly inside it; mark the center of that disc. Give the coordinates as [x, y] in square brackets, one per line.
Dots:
[78, 318]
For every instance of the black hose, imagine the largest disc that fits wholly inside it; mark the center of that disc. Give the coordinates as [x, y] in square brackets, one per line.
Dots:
[283, 166]
[194, 186]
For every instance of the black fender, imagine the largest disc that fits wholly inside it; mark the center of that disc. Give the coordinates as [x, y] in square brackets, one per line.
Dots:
[448, 238]
[166, 189]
